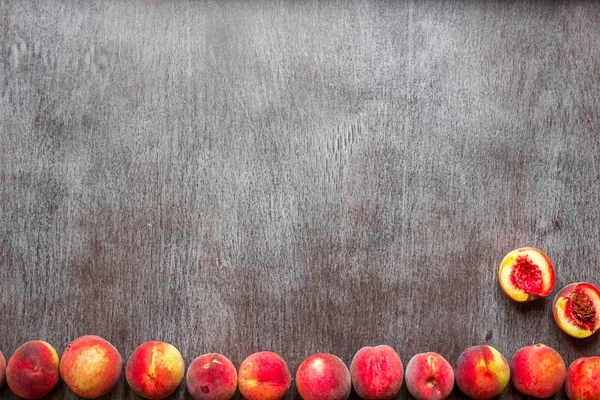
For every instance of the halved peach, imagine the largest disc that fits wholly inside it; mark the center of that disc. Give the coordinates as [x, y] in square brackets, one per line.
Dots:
[576, 309]
[526, 274]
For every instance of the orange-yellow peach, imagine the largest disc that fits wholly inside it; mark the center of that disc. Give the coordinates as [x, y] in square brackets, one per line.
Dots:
[576, 309]
[377, 372]
[482, 372]
[526, 274]
[155, 370]
[264, 376]
[211, 377]
[323, 377]
[2, 369]
[429, 376]
[538, 371]
[32, 371]
[583, 379]
[90, 366]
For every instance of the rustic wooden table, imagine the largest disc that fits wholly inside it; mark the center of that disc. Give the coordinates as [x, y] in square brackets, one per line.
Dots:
[299, 177]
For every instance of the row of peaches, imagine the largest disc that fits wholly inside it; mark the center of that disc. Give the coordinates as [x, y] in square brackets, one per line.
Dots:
[91, 366]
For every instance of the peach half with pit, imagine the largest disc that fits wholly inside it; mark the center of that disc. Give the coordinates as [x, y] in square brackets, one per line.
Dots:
[583, 379]
[429, 376]
[482, 372]
[323, 376]
[211, 376]
[32, 371]
[264, 376]
[538, 371]
[576, 309]
[377, 372]
[526, 274]
[90, 366]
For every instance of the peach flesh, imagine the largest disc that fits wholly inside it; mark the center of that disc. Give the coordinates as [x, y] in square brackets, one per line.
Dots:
[583, 379]
[526, 274]
[155, 370]
[32, 371]
[211, 377]
[576, 309]
[90, 366]
[482, 372]
[323, 377]
[377, 372]
[538, 371]
[2, 369]
[429, 376]
[264, 376]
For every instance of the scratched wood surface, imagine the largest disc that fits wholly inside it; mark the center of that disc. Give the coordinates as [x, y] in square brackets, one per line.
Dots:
[294, 176]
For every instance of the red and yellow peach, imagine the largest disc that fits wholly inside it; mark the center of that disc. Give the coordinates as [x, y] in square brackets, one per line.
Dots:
[323, 377]
[482, 372]
[211, 377]
[538, 371]
[583, 379]
[526, 274]
[576, 309]
[155, 370]
[90, 366]
[377, 372]
[32, 371]
[264, 376]
[429, 376]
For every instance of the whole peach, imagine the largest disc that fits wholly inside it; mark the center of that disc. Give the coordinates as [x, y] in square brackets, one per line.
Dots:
[90, 366]
[583, 379]
[2, 369]
[155, 370]
[377, 372]
[323, 377]
[264, 376]
[429, 376]
[538, 371]
[32, 371]
[482, 372]
[211, 377]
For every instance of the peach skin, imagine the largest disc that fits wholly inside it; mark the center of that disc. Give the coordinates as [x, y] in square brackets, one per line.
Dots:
[2, 369]
[90, 366]
[32, 371]
[538, 371]
[583, 379]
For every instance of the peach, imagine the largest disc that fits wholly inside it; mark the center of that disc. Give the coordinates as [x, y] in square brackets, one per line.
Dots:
[90, 366]
[526, 274]
[32, 371]
[576, 309]
[323, 377]
[155, 370]
[377, 372]
[538, 371]
[583, 379]
[211, 377]
[429, 376]
[2, 369]
[264, 376]
[482, 372]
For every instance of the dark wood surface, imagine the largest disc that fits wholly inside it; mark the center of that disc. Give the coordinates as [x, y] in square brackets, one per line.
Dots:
[294, 176]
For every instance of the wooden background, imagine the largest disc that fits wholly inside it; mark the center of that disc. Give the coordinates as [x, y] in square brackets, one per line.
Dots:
[302, 177]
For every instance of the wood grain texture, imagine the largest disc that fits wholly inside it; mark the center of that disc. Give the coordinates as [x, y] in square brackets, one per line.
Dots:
[294, 176]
